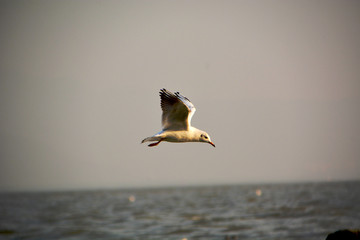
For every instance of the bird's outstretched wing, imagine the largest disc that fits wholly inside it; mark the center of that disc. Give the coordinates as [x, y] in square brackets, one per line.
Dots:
[177, 110]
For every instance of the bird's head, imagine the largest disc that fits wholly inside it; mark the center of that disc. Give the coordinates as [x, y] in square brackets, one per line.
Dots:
[204, 137]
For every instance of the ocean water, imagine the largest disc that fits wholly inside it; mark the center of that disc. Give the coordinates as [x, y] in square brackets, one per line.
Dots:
[268, 211]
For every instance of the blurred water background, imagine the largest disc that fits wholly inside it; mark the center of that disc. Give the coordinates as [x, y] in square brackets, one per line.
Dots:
[254, 211]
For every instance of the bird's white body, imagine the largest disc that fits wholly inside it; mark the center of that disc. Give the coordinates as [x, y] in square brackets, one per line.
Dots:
[191, 135]
[176, 119]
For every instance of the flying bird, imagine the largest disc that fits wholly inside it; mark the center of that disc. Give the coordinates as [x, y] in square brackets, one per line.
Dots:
[177, 112]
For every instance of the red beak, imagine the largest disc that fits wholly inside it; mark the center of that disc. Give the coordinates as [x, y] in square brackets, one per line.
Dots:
[212, 144]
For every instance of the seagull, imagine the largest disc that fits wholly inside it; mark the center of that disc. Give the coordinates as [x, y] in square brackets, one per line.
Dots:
[177, 112]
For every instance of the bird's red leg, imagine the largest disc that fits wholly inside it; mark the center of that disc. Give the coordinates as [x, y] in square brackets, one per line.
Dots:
[154, 144]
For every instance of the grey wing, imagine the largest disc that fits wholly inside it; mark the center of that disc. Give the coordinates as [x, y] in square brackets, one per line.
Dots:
[177, 110]
[191, 108]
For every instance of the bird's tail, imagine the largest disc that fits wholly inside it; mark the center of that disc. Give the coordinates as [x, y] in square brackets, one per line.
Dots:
[151, 139]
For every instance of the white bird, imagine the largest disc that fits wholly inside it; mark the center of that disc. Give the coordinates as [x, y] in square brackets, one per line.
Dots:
[176, 121]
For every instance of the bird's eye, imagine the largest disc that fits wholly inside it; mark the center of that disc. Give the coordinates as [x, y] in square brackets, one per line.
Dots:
[204, 136]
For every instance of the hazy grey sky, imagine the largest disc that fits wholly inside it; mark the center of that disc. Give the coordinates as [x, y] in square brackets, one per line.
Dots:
[276, 84]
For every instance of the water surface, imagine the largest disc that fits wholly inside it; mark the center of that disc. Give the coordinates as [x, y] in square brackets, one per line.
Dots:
[269, 211]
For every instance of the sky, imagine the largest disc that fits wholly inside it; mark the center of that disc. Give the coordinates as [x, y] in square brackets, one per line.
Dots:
[276, 85]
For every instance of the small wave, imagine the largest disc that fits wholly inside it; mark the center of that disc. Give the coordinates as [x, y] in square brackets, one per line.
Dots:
[6, 232]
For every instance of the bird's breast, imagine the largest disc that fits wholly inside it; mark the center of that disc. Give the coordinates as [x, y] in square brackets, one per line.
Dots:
[180, 136]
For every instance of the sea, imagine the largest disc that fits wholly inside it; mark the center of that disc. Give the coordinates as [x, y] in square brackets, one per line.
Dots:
[248, 211]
